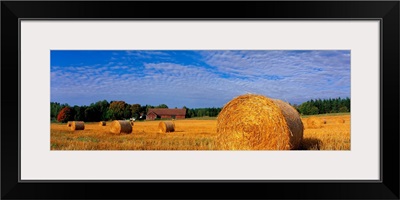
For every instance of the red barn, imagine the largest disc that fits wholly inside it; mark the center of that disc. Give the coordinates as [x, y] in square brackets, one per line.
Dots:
[166, 113]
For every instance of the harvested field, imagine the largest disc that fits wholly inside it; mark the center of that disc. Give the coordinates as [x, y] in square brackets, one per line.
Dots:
[189, 134]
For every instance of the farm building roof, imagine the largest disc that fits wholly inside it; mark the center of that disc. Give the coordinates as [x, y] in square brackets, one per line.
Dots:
[167, 111]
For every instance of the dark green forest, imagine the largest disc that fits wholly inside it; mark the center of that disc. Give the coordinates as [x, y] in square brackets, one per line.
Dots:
[116, 110]
[318, 106]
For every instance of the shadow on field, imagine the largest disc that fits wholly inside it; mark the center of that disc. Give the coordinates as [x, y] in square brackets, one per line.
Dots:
[310, 144]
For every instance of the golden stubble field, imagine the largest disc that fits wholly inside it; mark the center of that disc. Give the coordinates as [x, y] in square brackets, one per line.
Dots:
[189, 135]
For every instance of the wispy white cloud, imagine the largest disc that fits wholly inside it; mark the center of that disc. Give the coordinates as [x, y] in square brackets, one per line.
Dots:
[296, 76]
[204, 78]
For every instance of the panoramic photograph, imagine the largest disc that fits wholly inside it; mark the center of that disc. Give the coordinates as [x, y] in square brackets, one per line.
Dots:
[200, 100]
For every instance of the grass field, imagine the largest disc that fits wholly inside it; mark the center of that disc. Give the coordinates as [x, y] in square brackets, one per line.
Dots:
[190, 134]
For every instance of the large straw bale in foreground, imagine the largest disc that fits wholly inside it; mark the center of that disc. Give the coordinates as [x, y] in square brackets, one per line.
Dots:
[165, 127]
[77, 125]
[293, 121]
[255, 122]
[120, 126]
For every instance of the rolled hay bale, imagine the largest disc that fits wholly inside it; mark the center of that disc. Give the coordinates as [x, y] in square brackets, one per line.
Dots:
[255, 122]
[340, 120]
[314, 122]
[120, 126]
[102, 123]
[77, 125]
[293, 121]
[132, 123]
[165, 127]
[69, 123]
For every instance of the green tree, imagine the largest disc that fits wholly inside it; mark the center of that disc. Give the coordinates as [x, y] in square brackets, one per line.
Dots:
[343, 109]
[116, 110]
[54, 110]
[92, 114]
[304, 108]
[162, 106]
[79, 113]
[187, 112]
[347, 103]
[325, 106]
[190, 113]
[127, 111]
[102, 108]
[313, 110]
[135, 110]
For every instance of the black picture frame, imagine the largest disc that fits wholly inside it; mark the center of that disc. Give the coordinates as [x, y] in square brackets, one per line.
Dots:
[386, 11]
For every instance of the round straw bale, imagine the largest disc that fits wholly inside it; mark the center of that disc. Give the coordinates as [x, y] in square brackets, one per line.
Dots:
[293, 121]
[120, 126]
[314, 122]
[255, 122]
[102, 123]
[77, 125]
[132, 123]
[69, 123]
[165, 127]
[340, 120]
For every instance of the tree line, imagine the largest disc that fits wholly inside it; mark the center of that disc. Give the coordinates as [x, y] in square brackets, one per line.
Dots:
[201, 112]
[114, 110]
[318, 106]
[117, 110]
[99, 111]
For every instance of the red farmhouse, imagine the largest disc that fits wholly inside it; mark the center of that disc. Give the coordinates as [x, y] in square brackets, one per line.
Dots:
[166, 113]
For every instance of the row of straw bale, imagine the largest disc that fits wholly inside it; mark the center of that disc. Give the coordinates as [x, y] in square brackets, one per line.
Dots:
[316, 122]
[117, 126]
[122, 126]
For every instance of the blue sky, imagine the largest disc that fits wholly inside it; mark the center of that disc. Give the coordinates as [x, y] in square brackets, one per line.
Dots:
[204, 78]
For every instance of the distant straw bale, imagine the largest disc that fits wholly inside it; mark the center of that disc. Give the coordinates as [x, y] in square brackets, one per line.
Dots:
[120, 126]
[69, 123]
[314, 122]
[255, 122]
[165, 127]
[77, 125]
[102, 123]
[340, 120]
